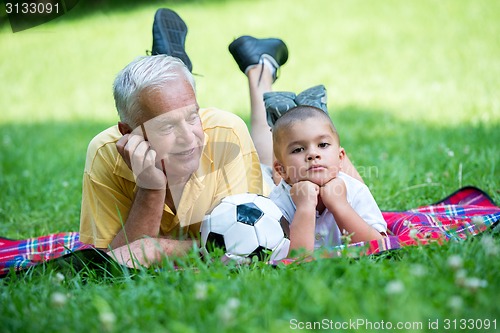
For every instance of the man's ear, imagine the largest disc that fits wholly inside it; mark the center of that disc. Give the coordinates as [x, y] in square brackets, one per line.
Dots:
[279, 168]
[124, 128]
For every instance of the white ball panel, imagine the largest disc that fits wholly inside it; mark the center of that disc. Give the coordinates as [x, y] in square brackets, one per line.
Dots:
[241, 239]
[269, 232]
[281, 251]
[242, 198]
[222, 217]
[268, 207]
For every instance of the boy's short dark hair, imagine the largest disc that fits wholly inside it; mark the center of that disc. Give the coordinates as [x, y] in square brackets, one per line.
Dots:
[297, 114]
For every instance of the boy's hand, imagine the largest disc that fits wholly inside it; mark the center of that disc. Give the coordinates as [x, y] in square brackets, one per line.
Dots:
[305, 194]
[334, 194]
[141, 159]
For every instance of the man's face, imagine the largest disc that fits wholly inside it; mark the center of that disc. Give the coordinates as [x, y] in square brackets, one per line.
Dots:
[173, 127]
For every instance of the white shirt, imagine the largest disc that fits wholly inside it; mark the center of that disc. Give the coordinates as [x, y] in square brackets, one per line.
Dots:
[327, 232]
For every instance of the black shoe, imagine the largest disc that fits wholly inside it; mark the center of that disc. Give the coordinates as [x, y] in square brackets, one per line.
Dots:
[169, 35]
[249, 51]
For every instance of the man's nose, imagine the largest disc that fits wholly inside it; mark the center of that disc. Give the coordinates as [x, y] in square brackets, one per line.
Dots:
[184, 133]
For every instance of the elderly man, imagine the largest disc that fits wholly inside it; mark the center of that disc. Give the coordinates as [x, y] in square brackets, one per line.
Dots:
[149, 180]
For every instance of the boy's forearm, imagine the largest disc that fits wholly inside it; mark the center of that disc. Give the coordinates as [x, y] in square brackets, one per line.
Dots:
[302, 230]
[347, 219]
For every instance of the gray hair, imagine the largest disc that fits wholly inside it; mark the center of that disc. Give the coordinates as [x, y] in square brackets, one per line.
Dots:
[145, 72]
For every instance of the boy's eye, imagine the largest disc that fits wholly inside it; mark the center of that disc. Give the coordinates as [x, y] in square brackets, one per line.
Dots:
[323, 145]
[297, 150]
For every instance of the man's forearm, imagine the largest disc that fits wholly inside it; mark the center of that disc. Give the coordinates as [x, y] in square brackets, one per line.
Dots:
[148, 251]
[144, 218]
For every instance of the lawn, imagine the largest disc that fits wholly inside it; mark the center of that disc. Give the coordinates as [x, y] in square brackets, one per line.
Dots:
[413, 89]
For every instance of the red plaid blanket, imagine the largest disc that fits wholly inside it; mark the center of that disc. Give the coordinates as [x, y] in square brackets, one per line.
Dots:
[467, 212]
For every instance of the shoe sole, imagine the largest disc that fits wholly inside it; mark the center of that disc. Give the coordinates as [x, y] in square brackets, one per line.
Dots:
[238, 50]
[173, 29]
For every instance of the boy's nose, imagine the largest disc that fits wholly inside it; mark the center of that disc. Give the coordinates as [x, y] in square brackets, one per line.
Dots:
[313, 156]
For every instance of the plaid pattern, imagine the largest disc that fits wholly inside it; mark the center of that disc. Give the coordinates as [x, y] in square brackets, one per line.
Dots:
[21, 254]
[465, 213]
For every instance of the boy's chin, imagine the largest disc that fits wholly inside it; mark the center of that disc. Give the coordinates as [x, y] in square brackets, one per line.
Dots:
[320, 181]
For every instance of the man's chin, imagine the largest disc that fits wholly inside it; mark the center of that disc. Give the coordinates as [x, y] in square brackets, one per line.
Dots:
[180, 167]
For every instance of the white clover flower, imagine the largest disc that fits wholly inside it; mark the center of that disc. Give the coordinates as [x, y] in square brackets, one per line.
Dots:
[413, 233]
[473, 283]
[478, 221]
[489, 246]
[460, 277]
[58, 299]
[346, 237]
[108, 320]
[407, 223]
[59, 277]
[455, 302]
[394, 287]
[450, 153]
[227, 311]
[418, 270]
[200, 291]
[455, 262]
[233, 303]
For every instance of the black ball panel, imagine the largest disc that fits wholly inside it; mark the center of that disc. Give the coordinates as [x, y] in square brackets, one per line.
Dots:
[248, 213]
[215, 240]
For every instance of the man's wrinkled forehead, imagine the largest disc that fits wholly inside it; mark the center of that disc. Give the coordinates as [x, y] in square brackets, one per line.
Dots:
[168, 96]
[169, 118]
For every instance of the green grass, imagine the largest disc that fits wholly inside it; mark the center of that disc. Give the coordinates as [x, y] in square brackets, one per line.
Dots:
[413, 89]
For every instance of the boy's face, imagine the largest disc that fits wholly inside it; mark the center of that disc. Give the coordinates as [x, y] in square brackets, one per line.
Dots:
[309, 151]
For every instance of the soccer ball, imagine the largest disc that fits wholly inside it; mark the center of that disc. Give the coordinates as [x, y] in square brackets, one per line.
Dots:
[245, 225]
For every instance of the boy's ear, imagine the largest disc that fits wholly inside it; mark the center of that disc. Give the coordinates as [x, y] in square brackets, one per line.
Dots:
[341, 156]
[124, 128]
[341, 153]
[279, 168]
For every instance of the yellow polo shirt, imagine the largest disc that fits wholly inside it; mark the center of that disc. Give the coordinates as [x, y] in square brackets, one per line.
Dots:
[228, 165]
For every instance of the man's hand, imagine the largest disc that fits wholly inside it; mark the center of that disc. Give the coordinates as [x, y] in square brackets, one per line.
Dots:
[141, 159]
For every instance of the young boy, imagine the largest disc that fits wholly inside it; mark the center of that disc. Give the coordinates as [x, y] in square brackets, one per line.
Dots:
[316, 197]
